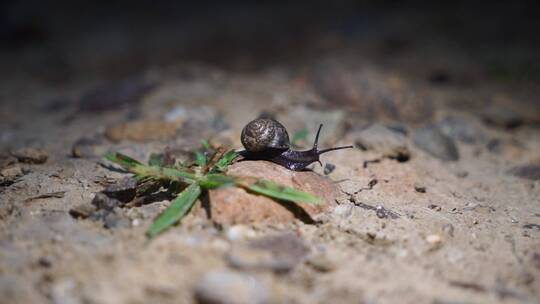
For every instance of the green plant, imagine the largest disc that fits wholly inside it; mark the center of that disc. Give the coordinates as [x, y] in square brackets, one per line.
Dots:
[190, 182]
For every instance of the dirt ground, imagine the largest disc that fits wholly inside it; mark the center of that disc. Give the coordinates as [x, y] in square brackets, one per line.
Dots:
[439, 201]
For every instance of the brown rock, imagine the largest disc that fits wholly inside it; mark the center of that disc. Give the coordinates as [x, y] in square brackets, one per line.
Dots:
[7, 160]
[10, 175]
[142, 131]
[30, 155]
[234, 205]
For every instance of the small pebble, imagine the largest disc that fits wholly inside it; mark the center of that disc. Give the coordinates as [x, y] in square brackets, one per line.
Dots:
[419, 188]
[434, 239]
[434, 207]
[329, 168]
[321, 263]
[343, 210]
[226, 287]
[239, 232]
[83, 210]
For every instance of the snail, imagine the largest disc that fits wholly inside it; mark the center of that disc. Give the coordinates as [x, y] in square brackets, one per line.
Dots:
[267, 139]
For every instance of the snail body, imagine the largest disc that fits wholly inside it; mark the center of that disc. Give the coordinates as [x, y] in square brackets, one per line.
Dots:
[267, 139]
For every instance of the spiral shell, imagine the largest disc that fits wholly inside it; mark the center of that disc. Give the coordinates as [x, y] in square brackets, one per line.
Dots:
[263, 133]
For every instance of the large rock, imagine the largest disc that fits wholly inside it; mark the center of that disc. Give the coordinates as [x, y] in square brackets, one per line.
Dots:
[234, 205]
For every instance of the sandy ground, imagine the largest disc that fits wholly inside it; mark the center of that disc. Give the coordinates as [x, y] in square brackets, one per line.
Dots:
[439, 201]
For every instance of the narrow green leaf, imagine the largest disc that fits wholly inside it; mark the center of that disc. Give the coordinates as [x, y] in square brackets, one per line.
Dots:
[122, 160]
[166, 173]
[156, 159]
[176, 211]
[216, 180]
[200, 159]
[281, 192]
[142, 171]
[225, 161]
[205, 144]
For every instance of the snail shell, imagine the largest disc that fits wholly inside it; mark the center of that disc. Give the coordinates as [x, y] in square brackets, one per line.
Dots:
[264, 133]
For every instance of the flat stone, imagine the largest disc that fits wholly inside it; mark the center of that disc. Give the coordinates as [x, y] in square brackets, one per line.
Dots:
[343, 210]
[384, 140]
[30, 155]
[227, 287]
[502, 116]
[278, 253]
[9, 172]
[321, 263]
[12, 172]
[462, 128]
[436, 143]
[233, 205]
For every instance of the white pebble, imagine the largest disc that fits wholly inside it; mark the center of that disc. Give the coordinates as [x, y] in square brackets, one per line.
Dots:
[239, 232]
[434, 239]
[343, 210]
[227, 287]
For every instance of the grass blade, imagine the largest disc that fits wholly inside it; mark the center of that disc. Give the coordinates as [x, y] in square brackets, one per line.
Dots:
[206, 144]
[156, 159]
[200, 159]
[164, 173]
[122, 160]
[280, 192]
[226, 160]
[176, 211]
[156, 172]
[216, 180]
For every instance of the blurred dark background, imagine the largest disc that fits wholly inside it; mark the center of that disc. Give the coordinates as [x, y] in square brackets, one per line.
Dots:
[59, 41]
